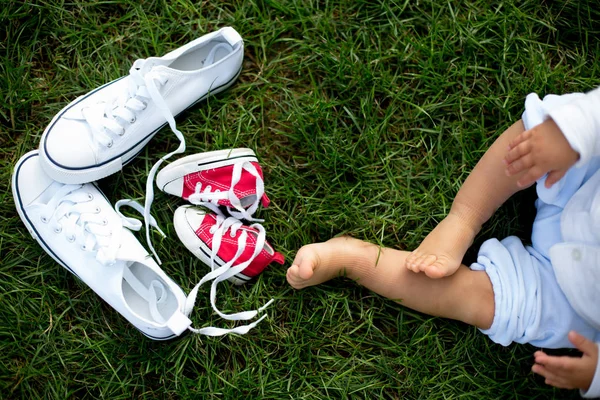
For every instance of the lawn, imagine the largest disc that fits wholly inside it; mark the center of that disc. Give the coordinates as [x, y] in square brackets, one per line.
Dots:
[366, 116]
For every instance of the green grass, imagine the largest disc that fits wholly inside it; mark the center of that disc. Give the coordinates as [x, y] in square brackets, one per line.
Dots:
[366, 115]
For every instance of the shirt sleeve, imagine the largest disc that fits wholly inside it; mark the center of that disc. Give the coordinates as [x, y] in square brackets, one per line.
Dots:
[579, 121]
[594, 391]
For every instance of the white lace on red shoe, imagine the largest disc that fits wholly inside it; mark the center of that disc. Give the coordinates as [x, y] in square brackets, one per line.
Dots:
[205, 196]
[229, 248]
[223, 178]
[218, 274]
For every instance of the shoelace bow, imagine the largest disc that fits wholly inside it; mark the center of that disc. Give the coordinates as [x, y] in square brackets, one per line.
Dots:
[206, 197]
[218, 274]
[73, 213]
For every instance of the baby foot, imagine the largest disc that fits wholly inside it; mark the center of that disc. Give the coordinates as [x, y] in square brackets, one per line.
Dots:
[319, 262]
[442, 251]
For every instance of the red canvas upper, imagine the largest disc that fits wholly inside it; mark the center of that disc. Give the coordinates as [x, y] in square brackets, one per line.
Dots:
[229, 247]
[220, 179]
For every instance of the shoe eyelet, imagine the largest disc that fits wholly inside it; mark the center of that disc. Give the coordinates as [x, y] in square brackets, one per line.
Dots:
[131, 121]
[109, 144]
[44, 219]
[83, 247]
[211, 231]
[90, 196]
[122, 132]
[97, 210]
[104, 222]
[70, 239]
[232, 235]
[58, 229]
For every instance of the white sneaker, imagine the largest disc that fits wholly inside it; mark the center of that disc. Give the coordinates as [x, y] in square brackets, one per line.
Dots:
[98, 133]
[78, 227]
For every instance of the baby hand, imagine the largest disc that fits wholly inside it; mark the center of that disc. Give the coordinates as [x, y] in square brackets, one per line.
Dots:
[569, 372]
[540, 150]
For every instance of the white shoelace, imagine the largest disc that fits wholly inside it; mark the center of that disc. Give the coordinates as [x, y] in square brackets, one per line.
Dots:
[74, 214]
[109, 121]
[209, 199]
[226, 271]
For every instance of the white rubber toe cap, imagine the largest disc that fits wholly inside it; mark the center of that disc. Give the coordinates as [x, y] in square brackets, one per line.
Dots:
[168, 183]
[30, 182]
[188, 217]
[67, 145]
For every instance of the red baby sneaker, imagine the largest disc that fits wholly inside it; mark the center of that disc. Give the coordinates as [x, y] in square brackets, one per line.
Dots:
[218, 240]
[231, 178]
[233, 251]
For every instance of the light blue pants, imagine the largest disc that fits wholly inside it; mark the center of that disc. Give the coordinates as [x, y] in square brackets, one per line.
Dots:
[530, 307]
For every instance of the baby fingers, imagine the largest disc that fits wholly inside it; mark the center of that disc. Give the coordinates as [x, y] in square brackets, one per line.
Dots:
[517, 153]
[523, 136]
[550, 377]
[519, 165]
[530, 177]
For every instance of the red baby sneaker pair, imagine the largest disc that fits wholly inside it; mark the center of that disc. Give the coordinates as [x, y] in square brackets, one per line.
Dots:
[229, 183]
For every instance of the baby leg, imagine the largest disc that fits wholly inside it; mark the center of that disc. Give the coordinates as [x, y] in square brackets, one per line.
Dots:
[465, 296]
[486, 188]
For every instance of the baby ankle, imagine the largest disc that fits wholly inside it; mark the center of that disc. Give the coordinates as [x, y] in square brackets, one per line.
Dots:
[469, 218]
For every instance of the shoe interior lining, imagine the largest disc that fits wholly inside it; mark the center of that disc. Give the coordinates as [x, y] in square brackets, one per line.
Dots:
[201, 57]
[137, 302]
[248, 200]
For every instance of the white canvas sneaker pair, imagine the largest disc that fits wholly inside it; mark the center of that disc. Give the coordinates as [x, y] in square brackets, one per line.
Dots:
[93, 137]
[225, 188]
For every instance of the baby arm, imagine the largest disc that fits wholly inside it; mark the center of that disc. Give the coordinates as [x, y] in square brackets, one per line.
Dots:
[572, 372]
